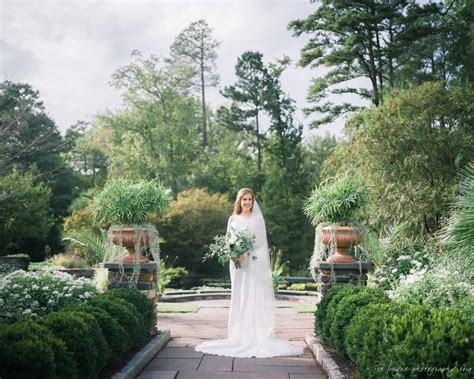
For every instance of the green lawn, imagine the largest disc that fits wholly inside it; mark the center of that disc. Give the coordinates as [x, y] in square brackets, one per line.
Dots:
[304, 309]
[172, 308]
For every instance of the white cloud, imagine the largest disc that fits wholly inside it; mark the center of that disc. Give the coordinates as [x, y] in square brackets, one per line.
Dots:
[69, 49]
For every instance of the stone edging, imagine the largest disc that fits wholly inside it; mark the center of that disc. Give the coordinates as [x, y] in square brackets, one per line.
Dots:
[324, 359]
[145, 355]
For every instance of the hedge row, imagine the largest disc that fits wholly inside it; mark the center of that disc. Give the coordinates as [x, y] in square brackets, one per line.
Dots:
[396, 340]
[77, 342]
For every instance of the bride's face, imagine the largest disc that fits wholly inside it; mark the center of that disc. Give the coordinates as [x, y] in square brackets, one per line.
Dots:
[246, 203]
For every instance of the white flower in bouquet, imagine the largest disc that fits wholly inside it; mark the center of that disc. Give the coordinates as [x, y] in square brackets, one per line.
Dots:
[232, 239]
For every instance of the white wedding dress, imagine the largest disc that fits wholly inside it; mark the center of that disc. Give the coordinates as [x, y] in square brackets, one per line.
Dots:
[251, 324]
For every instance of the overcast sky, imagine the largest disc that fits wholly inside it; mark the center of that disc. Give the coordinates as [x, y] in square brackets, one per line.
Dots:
[68, 49]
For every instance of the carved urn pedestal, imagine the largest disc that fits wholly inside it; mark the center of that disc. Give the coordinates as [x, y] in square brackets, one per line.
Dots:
[125, 275]
[330, 274]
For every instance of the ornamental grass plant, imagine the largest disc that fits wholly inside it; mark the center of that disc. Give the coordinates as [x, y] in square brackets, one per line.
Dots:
[337, 201]
[130, 202]
[458, 235]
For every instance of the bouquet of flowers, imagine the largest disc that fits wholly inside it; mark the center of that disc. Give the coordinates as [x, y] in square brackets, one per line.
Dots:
[232, 245]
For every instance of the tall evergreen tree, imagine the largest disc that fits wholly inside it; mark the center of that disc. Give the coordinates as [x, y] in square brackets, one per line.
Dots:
[196, 47]
[386, 42]
[248, 97]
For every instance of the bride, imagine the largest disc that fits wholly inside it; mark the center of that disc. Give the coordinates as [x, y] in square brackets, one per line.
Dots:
[251, 324]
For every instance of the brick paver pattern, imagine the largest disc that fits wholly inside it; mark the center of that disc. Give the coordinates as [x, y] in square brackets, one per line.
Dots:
[179, 360]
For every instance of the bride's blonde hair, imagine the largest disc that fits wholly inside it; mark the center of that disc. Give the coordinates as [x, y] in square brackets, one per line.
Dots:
[240, 195]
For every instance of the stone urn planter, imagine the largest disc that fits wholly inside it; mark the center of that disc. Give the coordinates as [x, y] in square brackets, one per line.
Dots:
[128, 206]
[343, 237]
[333, 209]
[127, 237]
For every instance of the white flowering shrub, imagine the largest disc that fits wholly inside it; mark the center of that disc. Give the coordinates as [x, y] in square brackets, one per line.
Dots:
[436, 287]
[389, 274]
[29, 294]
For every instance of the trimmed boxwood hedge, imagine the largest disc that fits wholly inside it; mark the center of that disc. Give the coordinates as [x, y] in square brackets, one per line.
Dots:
[114, 334]
[144, 306]
[96, 335]
[126, 315]
[79, 341]
[385, 339]
[76, 334]
[28, 350]
[393, 339]
[346, 309]
[321, 309]
[336, 295]
[363, 339]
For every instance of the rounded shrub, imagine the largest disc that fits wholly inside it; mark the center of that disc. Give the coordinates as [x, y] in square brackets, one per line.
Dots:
[75, 333]
[406, 340]
[190, 225]
[346, 309]
[363, 341]
[97, 335]
[126, 317]
[113, 332]
[321, 309]
[451, 342]
[336, 294]
[27, 348]
[144, 306]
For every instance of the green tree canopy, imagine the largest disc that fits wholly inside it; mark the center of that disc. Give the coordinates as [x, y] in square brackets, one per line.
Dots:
[24, 213]
[159, 125]
[87, 153]
[411, 149]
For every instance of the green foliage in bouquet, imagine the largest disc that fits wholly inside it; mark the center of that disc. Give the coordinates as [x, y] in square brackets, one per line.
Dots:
[233, 245]
[127, 202]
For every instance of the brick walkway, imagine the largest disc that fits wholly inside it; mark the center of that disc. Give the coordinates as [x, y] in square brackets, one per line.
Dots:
[179, 360]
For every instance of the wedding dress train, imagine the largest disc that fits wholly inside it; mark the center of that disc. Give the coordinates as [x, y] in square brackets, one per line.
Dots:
[251, 324]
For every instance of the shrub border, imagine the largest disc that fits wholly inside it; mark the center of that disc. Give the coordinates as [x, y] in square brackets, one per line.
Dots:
[135, 365]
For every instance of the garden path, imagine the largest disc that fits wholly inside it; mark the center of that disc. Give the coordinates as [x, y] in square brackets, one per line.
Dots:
[179, 360]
